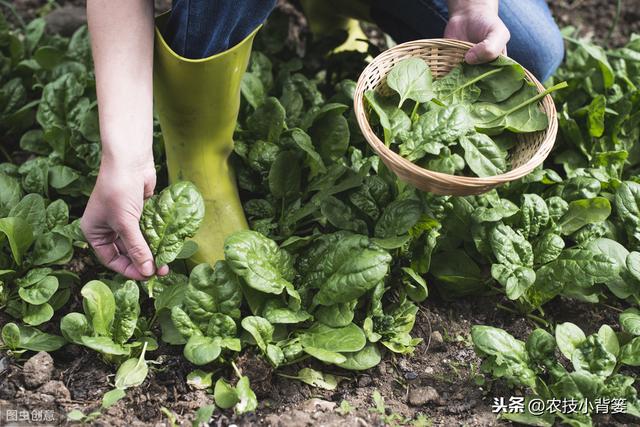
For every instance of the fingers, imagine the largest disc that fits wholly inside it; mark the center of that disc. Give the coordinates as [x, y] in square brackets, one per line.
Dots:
[111, 257]
[136, 248]
[490, 48]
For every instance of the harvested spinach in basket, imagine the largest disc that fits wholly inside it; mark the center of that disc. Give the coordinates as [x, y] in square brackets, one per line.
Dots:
[463, 123]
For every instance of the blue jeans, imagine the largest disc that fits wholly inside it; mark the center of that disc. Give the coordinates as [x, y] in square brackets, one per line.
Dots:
[201, 28]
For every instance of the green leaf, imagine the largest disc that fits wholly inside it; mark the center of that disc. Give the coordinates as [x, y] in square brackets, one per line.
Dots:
[626, 203]
[363, 359]
[285, 174]
[132, 373]
[52, 248]
[221, 325]
[483, 156]
[203, 415]
[127, 310]
[40, 292]
[260, 329]
[456, 88]
[316, 379]
[212, 290]
[392, 119]
[412, 79]
[10, 193]
[11, 336]
[313, 159]
[457, 272]
[224, 394]
[541, 345]
[275, 311]
[547, 248]
[183, 323]
[507, 356]
[346, 339]
[497, 86]
[520, 113]
[99, 306]
[74, 326]
[510, 247]
[267, 121]
[57, 214]
[31, 209]
[609, 339]
[440, 127]
[247, 398]
[343, 267]
[201, 350]
[111, 397]
[630, 353]
[397, 218]
[337, 315]
[19, 234]
[35, 315]
[171, 217]
[330, 135]
[583, 212]
[200, 379]
[630, 321]
[29, 338]
[569, 337]
[259, 261]
[595, 117]
[104, 345]
[75, 415]
[415, 285]
[592, 356]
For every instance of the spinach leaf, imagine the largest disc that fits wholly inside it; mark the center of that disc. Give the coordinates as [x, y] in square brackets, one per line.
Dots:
[583, 212]
[520, 113]
[411, 79]
[483, 155]
[343, 267]
[169, 218]
[259, 261]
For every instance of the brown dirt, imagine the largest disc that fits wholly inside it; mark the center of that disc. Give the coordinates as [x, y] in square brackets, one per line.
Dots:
[444, 367]
[595, 18]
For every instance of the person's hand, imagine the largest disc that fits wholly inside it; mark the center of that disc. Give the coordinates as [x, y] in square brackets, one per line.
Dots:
[477, 22]
[111, 220]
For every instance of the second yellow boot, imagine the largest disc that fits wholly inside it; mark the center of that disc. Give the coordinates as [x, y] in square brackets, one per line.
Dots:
[197, 102]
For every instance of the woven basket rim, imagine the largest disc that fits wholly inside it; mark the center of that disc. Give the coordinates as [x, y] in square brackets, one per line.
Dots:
[463, 182]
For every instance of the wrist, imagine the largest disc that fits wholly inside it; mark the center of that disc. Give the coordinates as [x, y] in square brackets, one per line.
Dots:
[472, 7]
[126, 159]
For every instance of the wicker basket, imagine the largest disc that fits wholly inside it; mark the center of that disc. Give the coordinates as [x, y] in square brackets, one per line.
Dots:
[442, 55]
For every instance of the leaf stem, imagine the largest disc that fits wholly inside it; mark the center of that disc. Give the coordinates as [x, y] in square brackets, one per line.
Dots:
[5, 153]
[610, 307]
[474, 80]
[616, 21]
[414, 112]
[235, 368]
[536, 98]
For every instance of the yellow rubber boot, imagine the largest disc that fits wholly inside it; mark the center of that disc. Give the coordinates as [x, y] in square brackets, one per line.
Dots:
[197, 102]
[328, 16]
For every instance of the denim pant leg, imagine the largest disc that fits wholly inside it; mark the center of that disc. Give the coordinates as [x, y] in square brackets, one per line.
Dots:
[535, 42]
[202, 28]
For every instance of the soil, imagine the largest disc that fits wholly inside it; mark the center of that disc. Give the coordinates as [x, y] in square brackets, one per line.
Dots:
[440, 384]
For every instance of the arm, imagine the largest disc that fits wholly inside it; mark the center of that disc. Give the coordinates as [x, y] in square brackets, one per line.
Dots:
[477, 21]
[122, 46]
